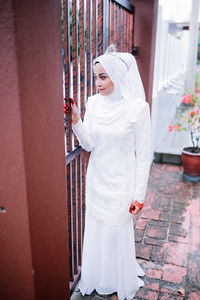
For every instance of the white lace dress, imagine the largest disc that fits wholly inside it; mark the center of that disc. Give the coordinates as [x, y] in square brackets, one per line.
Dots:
[117, 132]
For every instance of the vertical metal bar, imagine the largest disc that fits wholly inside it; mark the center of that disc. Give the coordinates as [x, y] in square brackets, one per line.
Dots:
[72, 222]
[131, 32]
[112, 23]
[124, 30]
[83, 188]
[119, 28]
[93, 40]
[88, 47]
[96, 27]
[127, 41]
[133, 28]
[74, 48]
[75, 55]
[69, 218]
[109, 21]
[81, 206]
[67, 68]
[105, 24]
[78, 52]
[78, 211]
[115, 28]
[74, 216]
[82, 56]
[100, 27]
[91, 36]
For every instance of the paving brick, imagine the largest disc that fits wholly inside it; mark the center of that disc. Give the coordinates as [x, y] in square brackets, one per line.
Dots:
[194, 269]
[141, 225]
[155, 242]
[156, 232]
[194, 296]
[143, 251]
[176, 217]
[154, 274]
[157, 254]
[180, 239]
[159, 223]
[146, 294]
[176, 253]
[163, 203]
[167, 296]
[164, 216]
[177, 229]
[173, 273]
[138, 235]
[172, 288]
[146, 264]
[153, 286]
[150, 214]
[178, 208]
[149, 198]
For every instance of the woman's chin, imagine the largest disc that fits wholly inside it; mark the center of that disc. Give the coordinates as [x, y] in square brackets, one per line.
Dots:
[102, 92]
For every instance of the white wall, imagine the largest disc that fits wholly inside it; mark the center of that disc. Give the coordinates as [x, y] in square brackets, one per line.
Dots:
[169, 77]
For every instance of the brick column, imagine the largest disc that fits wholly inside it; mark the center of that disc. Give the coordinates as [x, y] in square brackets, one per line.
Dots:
[144, 38]
[33, 216]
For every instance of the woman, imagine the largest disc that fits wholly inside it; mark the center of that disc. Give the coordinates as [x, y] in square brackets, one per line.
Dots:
[117, 130]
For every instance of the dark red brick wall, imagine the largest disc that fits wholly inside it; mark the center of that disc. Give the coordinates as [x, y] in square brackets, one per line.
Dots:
[144, 38]
[33, 239]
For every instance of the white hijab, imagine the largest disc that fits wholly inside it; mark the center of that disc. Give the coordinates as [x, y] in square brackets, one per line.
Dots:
[123, 71]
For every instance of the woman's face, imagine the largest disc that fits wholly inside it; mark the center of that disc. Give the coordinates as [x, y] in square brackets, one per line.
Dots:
[103, 82]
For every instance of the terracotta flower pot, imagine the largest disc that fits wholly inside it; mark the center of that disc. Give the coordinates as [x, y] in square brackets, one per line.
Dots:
[191, 164]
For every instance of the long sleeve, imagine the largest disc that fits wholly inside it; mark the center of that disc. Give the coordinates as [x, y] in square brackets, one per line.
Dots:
[82, 131]
[143, 151]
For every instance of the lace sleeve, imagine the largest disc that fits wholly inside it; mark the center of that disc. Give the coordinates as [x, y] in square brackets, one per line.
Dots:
[143, 152]
[82, 131]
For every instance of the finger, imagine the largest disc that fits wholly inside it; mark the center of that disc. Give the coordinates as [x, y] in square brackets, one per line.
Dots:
[75, 110]
[74, 107]
[73, 104]
[136, 211]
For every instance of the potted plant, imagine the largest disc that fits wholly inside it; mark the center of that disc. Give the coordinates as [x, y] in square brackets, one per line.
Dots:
[188, 115]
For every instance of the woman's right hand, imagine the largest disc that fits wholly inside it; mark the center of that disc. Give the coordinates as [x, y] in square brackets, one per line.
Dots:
[75, 114]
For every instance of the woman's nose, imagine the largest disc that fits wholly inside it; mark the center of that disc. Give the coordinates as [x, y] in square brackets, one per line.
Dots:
[98, 82]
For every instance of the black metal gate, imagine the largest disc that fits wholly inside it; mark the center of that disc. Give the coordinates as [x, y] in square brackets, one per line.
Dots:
[89, 26]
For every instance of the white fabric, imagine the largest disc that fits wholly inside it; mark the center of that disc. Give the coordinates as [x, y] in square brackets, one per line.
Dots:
[109, 263]
[117, 131]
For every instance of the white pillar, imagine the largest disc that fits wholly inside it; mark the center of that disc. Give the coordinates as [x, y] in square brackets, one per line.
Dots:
[193, 46]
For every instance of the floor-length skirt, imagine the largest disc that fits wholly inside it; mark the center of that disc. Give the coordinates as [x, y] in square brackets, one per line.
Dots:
[108, 259]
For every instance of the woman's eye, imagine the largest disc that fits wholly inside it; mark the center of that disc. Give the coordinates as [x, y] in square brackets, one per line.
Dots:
[103, 77]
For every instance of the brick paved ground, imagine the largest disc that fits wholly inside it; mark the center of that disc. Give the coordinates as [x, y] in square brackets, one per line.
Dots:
[167, 235]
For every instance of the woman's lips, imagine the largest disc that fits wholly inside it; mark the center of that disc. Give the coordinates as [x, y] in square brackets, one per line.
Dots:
[100, 90]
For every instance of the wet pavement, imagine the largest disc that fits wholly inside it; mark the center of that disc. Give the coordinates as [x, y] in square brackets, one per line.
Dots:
[167, 235]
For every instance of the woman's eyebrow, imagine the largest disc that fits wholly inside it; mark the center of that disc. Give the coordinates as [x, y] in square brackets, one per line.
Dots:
[102, 74]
